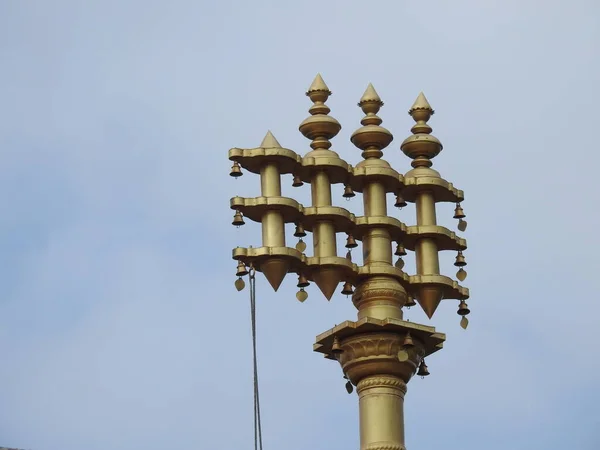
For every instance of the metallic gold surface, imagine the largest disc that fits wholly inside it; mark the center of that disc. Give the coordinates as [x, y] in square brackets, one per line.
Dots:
[379, 352]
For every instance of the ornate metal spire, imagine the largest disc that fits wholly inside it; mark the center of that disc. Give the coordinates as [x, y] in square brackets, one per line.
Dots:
[421, 146]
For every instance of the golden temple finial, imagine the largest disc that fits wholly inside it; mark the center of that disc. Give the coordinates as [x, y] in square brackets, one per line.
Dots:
[421, 146]
[371, 138]
[380, 351]
[270, 141]
[319, 126]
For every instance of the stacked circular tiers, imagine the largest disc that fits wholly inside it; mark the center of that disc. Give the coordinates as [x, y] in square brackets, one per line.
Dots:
[379, 233]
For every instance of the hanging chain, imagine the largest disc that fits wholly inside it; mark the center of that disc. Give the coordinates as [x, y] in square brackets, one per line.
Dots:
[257, 426]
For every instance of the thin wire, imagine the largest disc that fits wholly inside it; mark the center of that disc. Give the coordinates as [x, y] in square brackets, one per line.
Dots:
[257, 424]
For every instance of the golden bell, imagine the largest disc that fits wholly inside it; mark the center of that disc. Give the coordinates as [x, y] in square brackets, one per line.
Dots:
[458, 212]
[348, 192]
[463, 308]
[336, 348]
[410, 302]
[236, 171]
[400, 250]
[423, 370]
[400, 203]
[302, 281]
[299, 233]
[241, 269]
[408, 342]
[460, 260]
[238, 219]
[347, 289]
[297, 181]
[351, 242]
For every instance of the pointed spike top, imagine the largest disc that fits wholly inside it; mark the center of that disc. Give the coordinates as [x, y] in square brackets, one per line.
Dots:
[270, 141]
[318, 85]
[370, 95]
[421, 103]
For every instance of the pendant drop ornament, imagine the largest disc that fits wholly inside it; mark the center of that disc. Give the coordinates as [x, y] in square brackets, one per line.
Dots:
[301, 246]
[240, 284]
[301, 295]
[402, 356]
[349, 255]
[399, 264]
[462, 225]
[349, 387]
[461, 274]
[464, 322]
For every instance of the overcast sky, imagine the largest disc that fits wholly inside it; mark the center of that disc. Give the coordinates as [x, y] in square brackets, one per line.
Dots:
[120, 327]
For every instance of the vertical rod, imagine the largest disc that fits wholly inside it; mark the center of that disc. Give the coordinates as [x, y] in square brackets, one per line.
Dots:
[324, 243]
[273, 230]
[377, 249]
[426, 248]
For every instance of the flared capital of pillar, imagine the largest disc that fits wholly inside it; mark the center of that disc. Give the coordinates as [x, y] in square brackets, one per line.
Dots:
[376, 348]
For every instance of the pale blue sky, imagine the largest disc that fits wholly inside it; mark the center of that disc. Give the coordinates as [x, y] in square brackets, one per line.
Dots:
[116, 280]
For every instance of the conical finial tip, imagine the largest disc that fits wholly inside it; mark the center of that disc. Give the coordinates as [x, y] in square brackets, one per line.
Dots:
[370, 95]
[318, 84]
[270, 141]
[421, 103]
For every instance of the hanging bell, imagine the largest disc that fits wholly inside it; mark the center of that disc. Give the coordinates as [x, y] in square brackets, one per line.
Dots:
[236, 170]
[351, 242]
[410, 301]
[336, 348]
[297, 181]
[238, 219]
[463, 308]
[400, 250]
[400, 203]
[408, 341]
[302, 281]
[348, 192]
[241, 269]
[347, 289]
[460, 260]
[299, 233]
[423, 370]
[458, 212]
